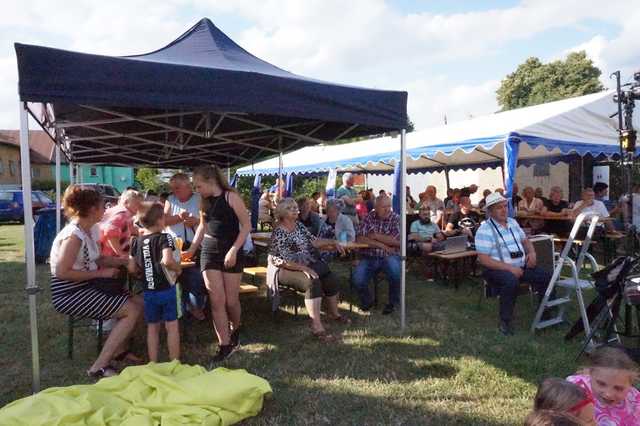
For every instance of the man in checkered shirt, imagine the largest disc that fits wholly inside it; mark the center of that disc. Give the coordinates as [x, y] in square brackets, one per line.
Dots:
[380, 229]
[508, 258]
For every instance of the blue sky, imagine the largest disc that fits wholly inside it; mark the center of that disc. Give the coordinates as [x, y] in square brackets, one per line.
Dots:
[449, 55]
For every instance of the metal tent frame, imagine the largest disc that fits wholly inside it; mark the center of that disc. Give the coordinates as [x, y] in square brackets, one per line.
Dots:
[151, 110]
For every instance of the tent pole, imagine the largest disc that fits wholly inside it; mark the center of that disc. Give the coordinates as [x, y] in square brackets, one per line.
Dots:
[280, 189]
[446, 177]
[29, 251]
[71, 174]
[403, 228]
[58, 201]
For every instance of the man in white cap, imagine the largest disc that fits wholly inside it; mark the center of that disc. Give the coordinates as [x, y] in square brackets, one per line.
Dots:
[349, 195]
[508, 258]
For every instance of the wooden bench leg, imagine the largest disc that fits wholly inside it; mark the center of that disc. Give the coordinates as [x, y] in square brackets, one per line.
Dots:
[70, 338]
[99, 336]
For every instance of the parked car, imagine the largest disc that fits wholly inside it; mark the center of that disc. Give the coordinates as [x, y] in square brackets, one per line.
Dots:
[12, 206]
[109, 193]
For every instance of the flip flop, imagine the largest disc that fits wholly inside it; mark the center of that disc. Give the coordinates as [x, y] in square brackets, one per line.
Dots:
[103, 372]
[323, 336]
[341, 319]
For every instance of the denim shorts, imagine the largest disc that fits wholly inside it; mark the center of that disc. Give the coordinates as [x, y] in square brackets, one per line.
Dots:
[162, 305]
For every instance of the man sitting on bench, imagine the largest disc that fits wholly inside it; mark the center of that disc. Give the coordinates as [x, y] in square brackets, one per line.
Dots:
[424, 235]
[380, 229]
[508, 258]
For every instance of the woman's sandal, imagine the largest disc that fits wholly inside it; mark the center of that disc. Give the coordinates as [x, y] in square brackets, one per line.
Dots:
[341, 319]
[323, 336]
[129, 357]
[103, 372]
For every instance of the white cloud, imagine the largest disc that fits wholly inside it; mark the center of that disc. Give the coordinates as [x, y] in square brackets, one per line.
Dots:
[363, 42]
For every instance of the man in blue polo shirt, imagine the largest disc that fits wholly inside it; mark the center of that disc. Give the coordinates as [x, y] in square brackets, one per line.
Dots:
[508, 258]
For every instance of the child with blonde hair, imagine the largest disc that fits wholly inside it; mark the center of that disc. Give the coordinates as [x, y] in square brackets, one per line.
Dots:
[609, 378]
[566, 397]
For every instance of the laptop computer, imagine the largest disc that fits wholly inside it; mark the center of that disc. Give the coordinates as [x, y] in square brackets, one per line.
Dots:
[454, 245]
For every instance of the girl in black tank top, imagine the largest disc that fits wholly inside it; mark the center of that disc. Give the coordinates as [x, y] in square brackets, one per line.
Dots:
[224, 225]
[221, 231]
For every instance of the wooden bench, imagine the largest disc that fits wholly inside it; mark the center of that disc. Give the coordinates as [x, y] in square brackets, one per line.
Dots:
[248, 288]
[256, 273]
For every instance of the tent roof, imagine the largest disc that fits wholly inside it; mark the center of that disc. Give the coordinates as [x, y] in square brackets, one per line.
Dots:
[200, 99]
[580, 125]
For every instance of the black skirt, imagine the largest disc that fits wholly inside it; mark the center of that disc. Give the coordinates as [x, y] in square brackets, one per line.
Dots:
[213, 253]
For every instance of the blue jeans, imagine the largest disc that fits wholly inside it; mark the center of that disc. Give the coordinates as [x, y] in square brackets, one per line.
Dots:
[505, 284]
[193, 288]
[368, 267]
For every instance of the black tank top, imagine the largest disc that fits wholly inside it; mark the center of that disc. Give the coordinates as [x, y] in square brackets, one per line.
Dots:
[221, 221]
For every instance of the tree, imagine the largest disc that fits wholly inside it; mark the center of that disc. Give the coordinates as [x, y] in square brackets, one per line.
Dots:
[148, 180]
[534, 83]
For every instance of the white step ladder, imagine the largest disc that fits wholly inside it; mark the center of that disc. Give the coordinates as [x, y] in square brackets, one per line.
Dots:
[573, 283]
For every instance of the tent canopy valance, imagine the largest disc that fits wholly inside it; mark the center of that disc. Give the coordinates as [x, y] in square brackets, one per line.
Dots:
[201, 99]
[557, 130]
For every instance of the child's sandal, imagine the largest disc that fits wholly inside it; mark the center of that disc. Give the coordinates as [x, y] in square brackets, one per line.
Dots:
[103, 372]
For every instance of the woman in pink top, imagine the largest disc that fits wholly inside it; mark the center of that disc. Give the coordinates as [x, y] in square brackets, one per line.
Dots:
[609, 378]
[116, 227]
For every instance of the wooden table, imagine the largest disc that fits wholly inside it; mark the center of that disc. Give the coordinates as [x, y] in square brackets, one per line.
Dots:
[261, 236]
[352, 245]
[559, 218]
[451, 266]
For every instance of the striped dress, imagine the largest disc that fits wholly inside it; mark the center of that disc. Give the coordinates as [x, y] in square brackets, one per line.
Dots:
[82, 299]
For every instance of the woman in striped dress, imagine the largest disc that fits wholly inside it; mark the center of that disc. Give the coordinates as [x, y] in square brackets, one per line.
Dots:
[76, 271]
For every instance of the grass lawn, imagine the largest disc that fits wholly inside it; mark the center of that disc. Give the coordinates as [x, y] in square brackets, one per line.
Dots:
[451, 367]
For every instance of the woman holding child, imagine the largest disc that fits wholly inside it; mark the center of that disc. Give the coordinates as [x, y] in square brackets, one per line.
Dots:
[224, 226]
[76, 272]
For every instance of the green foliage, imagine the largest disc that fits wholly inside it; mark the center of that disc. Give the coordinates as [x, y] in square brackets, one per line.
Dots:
[305, 186]
[534, 83]
[147, 179]
[46, 185]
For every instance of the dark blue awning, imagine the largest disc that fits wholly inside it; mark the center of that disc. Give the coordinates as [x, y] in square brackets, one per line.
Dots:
[206, 84]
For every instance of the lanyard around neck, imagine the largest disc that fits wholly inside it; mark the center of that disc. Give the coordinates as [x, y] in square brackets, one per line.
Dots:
[500, 233]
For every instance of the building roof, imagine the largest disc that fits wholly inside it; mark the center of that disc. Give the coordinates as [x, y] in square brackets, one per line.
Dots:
[42, 147]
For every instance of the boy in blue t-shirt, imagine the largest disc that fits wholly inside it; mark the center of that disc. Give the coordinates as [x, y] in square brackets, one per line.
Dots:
[424, 234]
[152, 257]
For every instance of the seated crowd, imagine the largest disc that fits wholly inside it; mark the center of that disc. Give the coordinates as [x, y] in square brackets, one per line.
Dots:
[90, 257]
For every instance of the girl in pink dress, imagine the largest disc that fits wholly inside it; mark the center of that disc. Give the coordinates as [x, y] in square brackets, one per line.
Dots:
[609, 379]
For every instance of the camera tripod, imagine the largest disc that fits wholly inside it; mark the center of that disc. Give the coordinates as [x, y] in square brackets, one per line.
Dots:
[606, 309]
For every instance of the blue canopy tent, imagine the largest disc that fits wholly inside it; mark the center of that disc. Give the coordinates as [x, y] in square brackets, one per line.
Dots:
[201, 99]
[555, 131]
[288, 185]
